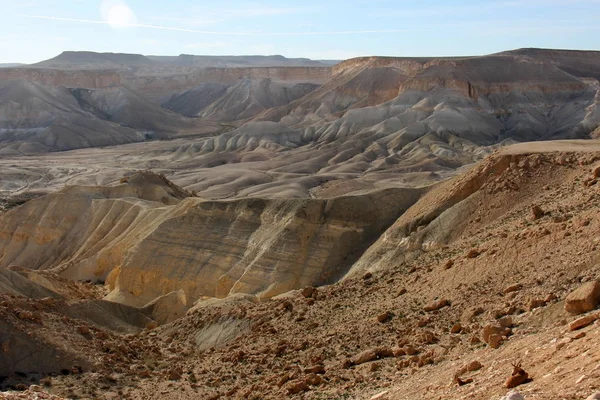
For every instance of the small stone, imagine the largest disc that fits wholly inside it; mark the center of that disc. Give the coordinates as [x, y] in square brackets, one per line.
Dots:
[308, 291]
[379, 396]
[594, 396]
[473, 253]
[316, 369]
[297, 387]
[580, 379]
[84, 330]
[474, 366]
[35, 388]
[151, 325]
[506, 322]
[436, 305]
[175, 374]
[21, 387]
[584, 299]
[513, 396]
[449, 264]
[535, 303]
[365, 356]
[367, 275]
[475, 339]
[550, 298]
[579, 335]
[491, 329]
[513, 288]
[402, 291]
[385, 317]
[494, 341]
[6, 346]
[456, 328]
[536, 212]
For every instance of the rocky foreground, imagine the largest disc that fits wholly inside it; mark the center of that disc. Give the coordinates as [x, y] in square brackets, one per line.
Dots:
[486, 284]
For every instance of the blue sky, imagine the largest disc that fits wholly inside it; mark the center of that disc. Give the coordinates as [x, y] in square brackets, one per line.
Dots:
[33, 30]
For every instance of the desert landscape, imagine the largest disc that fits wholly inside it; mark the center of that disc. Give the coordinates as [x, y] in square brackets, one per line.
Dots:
[263, 227]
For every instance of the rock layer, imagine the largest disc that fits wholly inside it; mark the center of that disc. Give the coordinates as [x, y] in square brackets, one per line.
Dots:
[206, 248]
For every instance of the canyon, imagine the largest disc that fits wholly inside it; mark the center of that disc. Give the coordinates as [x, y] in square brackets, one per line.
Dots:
[263, 227]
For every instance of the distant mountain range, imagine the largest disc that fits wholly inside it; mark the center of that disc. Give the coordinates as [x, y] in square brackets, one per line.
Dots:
[92, 60]
[10, 65]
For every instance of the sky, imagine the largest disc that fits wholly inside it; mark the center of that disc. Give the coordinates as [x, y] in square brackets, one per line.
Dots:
[35, 30]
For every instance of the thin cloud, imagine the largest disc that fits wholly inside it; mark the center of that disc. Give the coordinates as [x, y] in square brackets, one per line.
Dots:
[225, 33]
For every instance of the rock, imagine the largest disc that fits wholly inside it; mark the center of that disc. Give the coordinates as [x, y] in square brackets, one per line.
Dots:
[385, 317]
[379, 396]
[151, 325]
[168, 308]
[506, 322]
[535, 303]
[596, 172]
[175, 374]
[474, 366]
[316, 369]
[491, 329]
[473, 253]
[536, 212]
[84, 330]
[297, 387]
[513, 288]
[402, 291]
[448, 264]
[461, 382]
[584, 299]
[584, 321]
[514, 395]
[314, 379]
[367, 275]
[594, 396]
[456, 328]
[287, 305]
[494, 341]
[550, 298]
[436, 305]
[6, 346]
[364, 356]
[398, 351]
[21, 387]
[428, 337]
[308, 291]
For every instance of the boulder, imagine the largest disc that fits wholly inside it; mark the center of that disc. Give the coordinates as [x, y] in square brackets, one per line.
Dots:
[584, 299]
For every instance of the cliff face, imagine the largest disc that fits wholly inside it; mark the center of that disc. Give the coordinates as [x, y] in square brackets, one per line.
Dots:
[96, 79]
[159, 87]
[154, 243]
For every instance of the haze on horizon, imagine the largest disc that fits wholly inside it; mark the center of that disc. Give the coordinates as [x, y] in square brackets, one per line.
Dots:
[35, 30]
